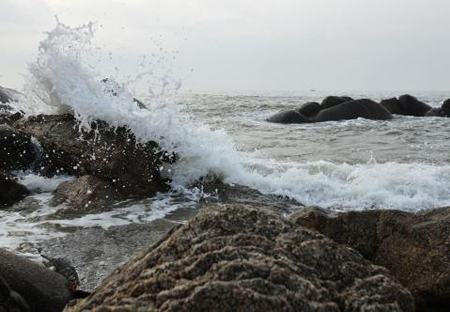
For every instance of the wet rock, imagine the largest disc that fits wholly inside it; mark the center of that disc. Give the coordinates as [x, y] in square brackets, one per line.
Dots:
[445, 108]
[235, 258]
[332, 100]
[288, 117]
[41, 288]
[310, 109]
[11, 192]
[215, 191]
[414, 247]
[96, 252]
[110, 155]
[86, 193]
[392, 105]
[362, 108]
[16, 149]
[411, 106]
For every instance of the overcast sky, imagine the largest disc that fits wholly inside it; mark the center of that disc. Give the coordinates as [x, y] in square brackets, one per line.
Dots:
[258, 45]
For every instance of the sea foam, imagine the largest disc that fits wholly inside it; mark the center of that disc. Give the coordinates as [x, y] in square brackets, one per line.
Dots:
[62, 80]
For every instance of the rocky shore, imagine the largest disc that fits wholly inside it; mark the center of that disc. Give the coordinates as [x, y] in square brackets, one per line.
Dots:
[239, 251]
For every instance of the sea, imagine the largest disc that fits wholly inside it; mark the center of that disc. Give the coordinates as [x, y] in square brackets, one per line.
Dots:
[360, 164]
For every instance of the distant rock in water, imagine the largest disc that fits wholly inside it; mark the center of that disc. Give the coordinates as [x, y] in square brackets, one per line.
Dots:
[235, 258]
[111, 155]
[288, 117]
[333, 108]
[413, 246]
[310, 109]
[363, 108]
[11, 191]
[332, 100]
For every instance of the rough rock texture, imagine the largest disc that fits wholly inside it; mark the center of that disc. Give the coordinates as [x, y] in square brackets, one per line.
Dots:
[41, 288]
[218, 192]
[108, 154]
[16, 149]
[235, 258]
[86, 193]
[11, 191]
[414, 247]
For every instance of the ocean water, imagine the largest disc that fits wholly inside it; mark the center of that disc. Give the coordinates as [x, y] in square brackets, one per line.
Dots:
[360, 164]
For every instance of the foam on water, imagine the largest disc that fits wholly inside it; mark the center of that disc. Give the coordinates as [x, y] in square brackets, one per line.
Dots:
[62, 80]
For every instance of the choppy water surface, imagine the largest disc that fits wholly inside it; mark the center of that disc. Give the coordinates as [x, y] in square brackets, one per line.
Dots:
[359, 164]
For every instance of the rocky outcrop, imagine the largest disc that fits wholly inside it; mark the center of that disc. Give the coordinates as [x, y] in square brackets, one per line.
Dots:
[40, 288]
[112, 155]
[362, 108]
[333, 108]
[16, 149]
[86, 193]
[235, 258]
[414, 247]
[406, 105]
[11, 191]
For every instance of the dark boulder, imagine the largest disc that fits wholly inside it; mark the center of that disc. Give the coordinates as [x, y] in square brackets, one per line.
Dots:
[235, 258]
[392, 105]
[411, 106]
[87, 193]
[41, 288]
[112, 155]
[445, 108]
[288, 117]
[363, 108]
[413, 246]
[11, 192]
[11, 301]
[310, 109]
[16, 149]
[332, 100]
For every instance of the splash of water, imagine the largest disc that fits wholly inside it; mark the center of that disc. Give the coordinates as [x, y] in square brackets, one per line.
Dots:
[63, 80]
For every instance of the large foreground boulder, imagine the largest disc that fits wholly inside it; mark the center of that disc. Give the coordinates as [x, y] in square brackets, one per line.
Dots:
[16, 149]
[414, 247]
[40, 288]
[112, 155]
[11, 191]
[235, 258]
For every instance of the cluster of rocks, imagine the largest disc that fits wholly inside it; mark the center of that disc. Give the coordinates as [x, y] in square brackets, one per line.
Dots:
[109, 163]
[242, 256]
[335, 108]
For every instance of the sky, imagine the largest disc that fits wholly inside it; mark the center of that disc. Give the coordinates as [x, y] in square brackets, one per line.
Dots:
[250, 45]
